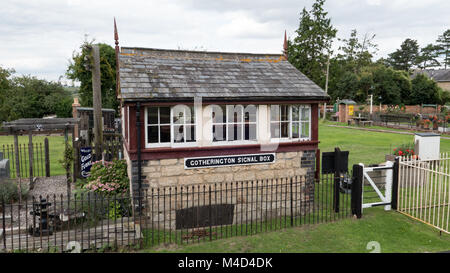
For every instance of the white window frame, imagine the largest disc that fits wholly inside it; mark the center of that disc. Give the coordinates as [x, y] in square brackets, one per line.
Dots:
[172, 124]
[300, 122]
[235, 142]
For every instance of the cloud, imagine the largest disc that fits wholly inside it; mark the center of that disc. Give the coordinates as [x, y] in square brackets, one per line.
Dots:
[38, 37]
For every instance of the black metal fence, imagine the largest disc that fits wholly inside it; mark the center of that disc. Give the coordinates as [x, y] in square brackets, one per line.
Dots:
[409, 121]
[27, 160]
[174, 215]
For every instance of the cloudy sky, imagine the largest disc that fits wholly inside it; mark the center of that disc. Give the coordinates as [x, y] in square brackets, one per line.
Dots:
[38, 37]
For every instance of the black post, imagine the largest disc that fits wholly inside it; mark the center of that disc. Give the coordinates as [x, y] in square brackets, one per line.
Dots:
[395, 184]
[3, 223]
[47, 158]
[292, 204]
[357, 184]
[139, 172]
[337, 173]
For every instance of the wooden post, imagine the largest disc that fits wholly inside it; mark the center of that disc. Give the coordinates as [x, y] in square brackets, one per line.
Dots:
[47, 158]
[97, 101]
[75, 156]
[16, 152]
[66, 137]
[30, 156]
[337, 174]
[326, 88]
[356, 195]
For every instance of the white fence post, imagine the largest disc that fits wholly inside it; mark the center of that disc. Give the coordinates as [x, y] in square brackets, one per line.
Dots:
[388, 190]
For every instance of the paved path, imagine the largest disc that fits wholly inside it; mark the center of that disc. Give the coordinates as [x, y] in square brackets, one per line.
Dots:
[379, 130]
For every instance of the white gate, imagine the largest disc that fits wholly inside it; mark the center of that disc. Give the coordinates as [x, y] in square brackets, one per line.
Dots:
[377, 190]
[424, 190]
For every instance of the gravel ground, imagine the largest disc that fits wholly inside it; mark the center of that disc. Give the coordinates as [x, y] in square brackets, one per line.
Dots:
[44, 186]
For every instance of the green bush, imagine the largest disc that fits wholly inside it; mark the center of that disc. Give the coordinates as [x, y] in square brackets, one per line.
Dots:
[9, 191]
[108, 178]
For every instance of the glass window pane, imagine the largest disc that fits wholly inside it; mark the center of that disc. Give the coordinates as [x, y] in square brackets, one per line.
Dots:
[305, 113]
[234, 113]
[178, 133]
[295, 130]
[234, 132]
[285, 129]
[284, 113]
[274, 113]
[152, 134]
[295, 113]
[305, 130]
[178, 115]
[219, 132]
[164, 115]
[250, 132]
[250, 113]
[152, 115]
[275, 129]
[219, 114]
[164, 135]
[190, 133]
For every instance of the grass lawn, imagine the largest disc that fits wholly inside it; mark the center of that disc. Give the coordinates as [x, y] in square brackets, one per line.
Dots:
[393, 231]
[56, 149]
[365, 146]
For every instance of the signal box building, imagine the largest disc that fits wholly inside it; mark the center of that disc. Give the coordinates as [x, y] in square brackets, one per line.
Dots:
[209, 117]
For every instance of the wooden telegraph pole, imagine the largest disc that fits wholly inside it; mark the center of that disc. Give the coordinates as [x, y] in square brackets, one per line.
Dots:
[97, 102]
[326, 89]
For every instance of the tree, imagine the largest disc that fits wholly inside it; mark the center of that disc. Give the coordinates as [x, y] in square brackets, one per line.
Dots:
[428, 56]
[390, 86]
[444, 47]
[405, 57]
[5, 85]
[30, 97]
[358, 53]
[310, 49]
[77, 70]
[425, 90]
[347, 86]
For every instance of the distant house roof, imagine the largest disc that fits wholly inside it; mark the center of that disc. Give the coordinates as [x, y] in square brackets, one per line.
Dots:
[180, 75]
[92, 109]
[439, 75]
[346, 101]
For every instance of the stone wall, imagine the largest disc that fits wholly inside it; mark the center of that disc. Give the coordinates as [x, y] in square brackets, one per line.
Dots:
[256, 192]
[171, 172]
[180, 207]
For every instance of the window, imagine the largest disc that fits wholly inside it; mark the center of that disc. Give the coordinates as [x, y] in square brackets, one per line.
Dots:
[158, 125]
[290, 121]
[170, 125]
[234, 123]
[183, 118]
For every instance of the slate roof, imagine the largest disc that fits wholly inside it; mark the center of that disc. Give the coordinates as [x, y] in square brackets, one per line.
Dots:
[159, 74]
[439, 75]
